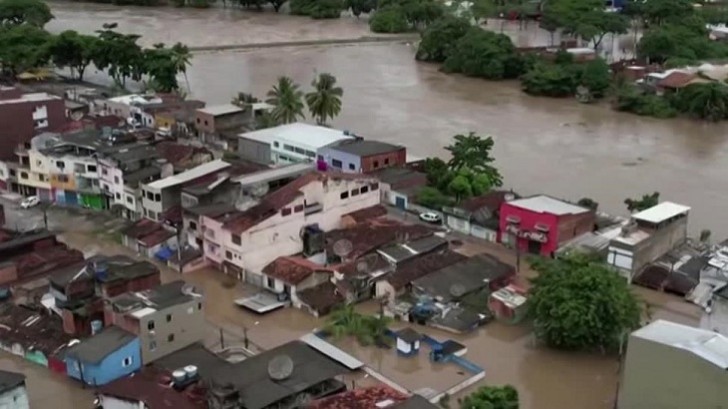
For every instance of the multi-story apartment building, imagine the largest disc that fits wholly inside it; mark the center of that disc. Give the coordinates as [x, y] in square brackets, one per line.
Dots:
[242, 243]
[166, 318]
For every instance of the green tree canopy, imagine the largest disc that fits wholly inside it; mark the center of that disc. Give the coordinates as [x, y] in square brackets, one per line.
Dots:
[707, 101]
[73, 50]
[119, 54]
[658, 12]
[243, 99]
[481, 53]
[389, 20]
[643, 203]
[585, 18]
[492, 397]
[580, 303]
[325, 99]
[16, 12]
[473, 153]
[287, 100]
[23, 47]
[551, 80]
[460, 188]
[439, 39]
[596, 76]
[358, 7]
[431, 197]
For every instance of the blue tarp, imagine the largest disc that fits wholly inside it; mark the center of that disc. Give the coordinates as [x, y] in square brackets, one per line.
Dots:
[165, 253]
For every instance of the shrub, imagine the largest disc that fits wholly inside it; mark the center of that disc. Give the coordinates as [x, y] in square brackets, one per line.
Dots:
[439, 39]
[326, 9]
[432, 198]
[631, 99]
[390, 19]
[550, 80]
[484, 54]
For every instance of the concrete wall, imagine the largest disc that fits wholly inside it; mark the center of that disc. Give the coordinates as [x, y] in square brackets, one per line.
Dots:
[254, 151]
[574, 225]
[659, 243]
[186, 325]
[110, 402]
[385, 160]
[16, 398]
[658, 376]
[350, 163]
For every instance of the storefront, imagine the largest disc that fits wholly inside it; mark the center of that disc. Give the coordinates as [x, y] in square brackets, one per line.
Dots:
[92, 201]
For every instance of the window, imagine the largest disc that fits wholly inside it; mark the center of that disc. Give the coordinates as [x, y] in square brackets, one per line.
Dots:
[104, 172]
[205, 121]
[116, 180]
[42, 178]
[355, 192]
[152, 215]
[91, 168]
[311, 154]
[126, 362]
[199, 305]
[364, 189]
[289, 148]
[60, 164]
[376, 164]
[117, 196]
[169, 317]
[352, 166]
[235, 239]
[152, 345]
[63, 178]
[300, 151]
[344, 195]
[285, 211]
[157, 197]
[38, 163]
[270, 282]
[193, 226]
[298, 208]
[276, 144]
[228, 255]
[375, 186]
[150, 325]
[24, 175]
[170, 338]
[150, 196]
[386, 161]
[284, 158]
[336, 163]
[129, 200]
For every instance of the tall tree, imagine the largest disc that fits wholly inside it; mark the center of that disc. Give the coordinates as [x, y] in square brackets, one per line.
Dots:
[287, 100]
[161, 66]
[72, 50]
[181, 58]
[492, 397]
[325, 100]
[643, 203]
[119, 54]
[706, 101]
[580, 303]
[585, 18]
[33, 12]
[474, 153]
[439, 39]
[23, 47]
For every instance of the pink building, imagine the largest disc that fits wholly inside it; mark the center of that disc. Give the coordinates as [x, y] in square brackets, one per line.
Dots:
[242, 243]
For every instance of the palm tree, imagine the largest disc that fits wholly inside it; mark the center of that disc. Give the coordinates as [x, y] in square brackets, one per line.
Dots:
[325, 100]
[181, 56]
[287, 100]
[243, 99]
[343, 321]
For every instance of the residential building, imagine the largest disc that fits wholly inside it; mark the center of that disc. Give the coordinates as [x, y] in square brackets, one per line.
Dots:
[400, 185]
[284, 144]
[666, 356]
[375, 397]
[80, 290]
[130, 107]
[244, 242]
[213, 119]
[478, 216]
[183, 157]
[111, 354]
[250, 384]
[26, 115]
[362, 156]
[33, 167]
[13, 394]
[154, 389]
[150, 238]
[649, 235]
[541, 224]
[164, 194]
[398, 281]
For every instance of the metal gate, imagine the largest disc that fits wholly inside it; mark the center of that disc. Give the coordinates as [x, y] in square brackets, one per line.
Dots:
[71, 198]
[400, 202]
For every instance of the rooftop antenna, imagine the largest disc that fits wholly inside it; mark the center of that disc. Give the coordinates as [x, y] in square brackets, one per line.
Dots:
[343, 248]
[280, 367]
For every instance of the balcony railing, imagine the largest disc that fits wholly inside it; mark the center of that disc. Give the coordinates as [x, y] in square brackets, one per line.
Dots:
[312, 208]
[21, 150]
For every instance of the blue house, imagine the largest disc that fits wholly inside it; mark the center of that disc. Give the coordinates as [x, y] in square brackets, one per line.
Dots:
[109, 355]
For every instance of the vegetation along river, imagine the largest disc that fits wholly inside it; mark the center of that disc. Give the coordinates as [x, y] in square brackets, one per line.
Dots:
[555, 146]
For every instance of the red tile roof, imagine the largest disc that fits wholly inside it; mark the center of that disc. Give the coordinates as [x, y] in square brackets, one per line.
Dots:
[292, 270]
[278, 199]
[367, 213]
[676, 79]
[365, 398]
[321, 298]
[369, 236]
[421, 266]
[152, 387]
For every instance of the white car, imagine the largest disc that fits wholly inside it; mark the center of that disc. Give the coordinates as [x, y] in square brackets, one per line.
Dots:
[430, 217]
[29, 202]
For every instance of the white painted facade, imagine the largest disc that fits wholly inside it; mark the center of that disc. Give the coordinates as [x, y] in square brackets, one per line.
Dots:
[281, 235]
[16, 398]
[110, 402]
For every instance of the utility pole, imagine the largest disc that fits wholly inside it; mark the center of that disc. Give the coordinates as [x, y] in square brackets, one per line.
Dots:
[222, 339]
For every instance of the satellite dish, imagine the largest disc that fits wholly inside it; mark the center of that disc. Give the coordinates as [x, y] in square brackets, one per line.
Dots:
[457, 290]
[280, 367]
[343, 248]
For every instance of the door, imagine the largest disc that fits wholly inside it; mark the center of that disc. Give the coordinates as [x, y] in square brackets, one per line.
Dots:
[400, 202]
[71, 198]
[534, 247]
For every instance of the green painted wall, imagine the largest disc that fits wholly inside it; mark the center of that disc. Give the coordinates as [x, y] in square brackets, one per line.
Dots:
[92, 201]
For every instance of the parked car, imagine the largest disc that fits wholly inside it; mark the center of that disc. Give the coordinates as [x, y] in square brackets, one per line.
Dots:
[30, 201]
[430, 217]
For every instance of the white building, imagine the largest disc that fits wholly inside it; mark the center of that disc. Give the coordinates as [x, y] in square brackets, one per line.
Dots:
[297, 142]
[130, 106]
[13, 394]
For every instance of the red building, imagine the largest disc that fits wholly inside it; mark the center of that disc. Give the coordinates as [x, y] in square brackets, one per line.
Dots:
[540, 224]
[25, 115]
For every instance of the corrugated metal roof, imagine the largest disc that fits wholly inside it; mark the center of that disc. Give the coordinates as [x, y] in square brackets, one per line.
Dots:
[661, 212]
[189, 175]
[546, 204]
[708, 345]
[331, 351]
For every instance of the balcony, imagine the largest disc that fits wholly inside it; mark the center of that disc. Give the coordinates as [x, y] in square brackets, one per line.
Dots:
[312, 208]
[21, 150]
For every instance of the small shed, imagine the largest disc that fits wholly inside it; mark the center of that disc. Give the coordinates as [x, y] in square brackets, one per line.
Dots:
[508, 304]
[408, 342]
